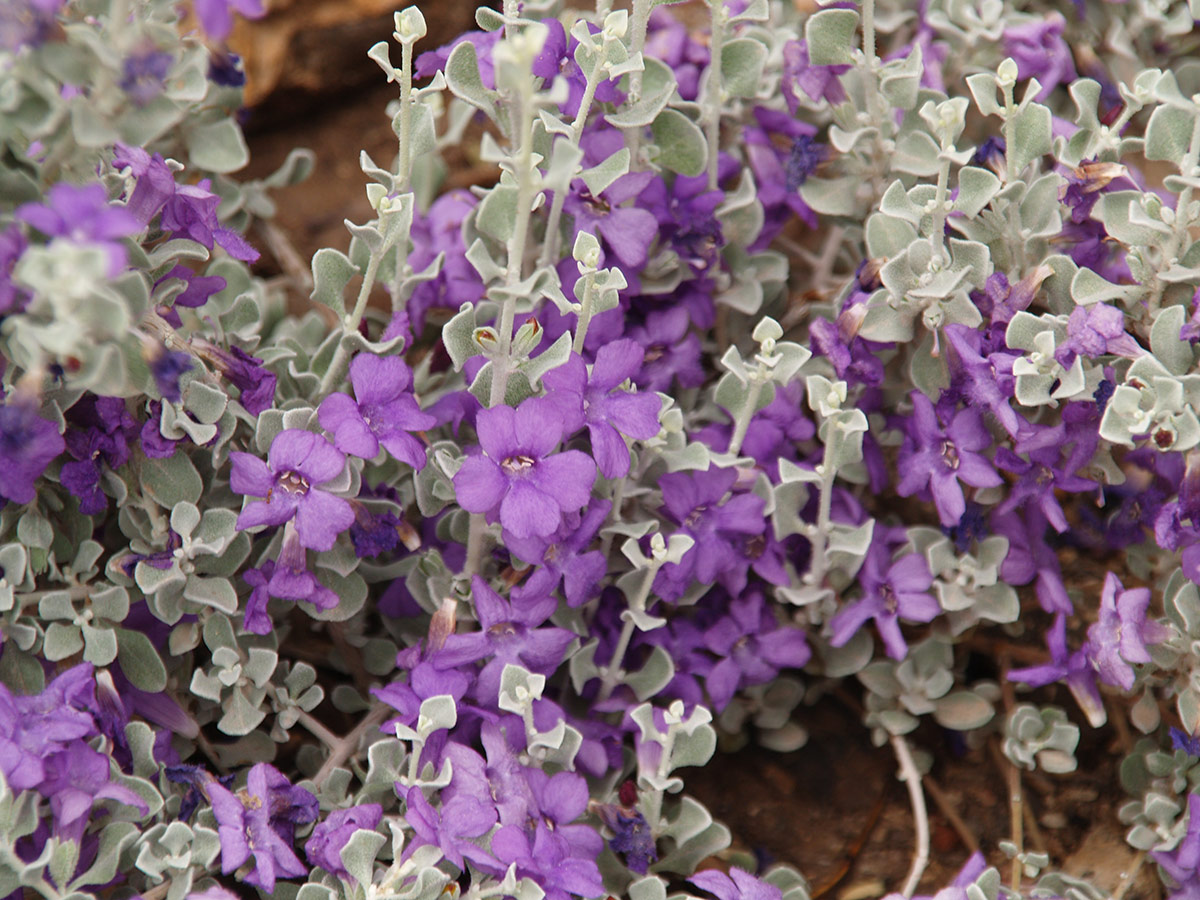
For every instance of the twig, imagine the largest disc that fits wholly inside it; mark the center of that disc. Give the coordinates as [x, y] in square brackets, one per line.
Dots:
[1128, 877]
[345, 747]
[946, 808]
[1012, 776]
[912, 778]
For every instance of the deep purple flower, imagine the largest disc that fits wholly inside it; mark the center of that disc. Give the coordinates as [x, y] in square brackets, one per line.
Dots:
[1073, 668]
[986, 381]
[817, 82]
[76, 777]
[103, 429]
[595, 399]
[197, 290]
[432, 61]
[34, 726]
[287, 578]
[752, 647]
[892, 590]
[197, 779]
[27, 445]
[1040, 52]
[384, 414]
[737, 885]
[155, 181]
[1118, 640]
[167, 366]
[297, 462]
[518, 476]
[803, 159]
[672, 351]
[216, 16]
[627, 231]
[940, 458]
[1046, 470]
[507, 633]
[245, 372]
[557, 59]
[225, 68]
[693, 500]
[1181, 740]
[1183, 863]
[436, 232]
[632, 837]
[325, 845]
[260, 821]
[1030, 556]
[82, 214]
[154, 445]
[562, 558]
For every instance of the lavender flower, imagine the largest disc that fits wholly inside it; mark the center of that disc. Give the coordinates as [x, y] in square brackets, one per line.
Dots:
[27, 23]
[1118, 640]
[737, 885]
[259, 822]
[817, 82]
[82, 214]
[453, 828]
[216, 16]
[384, 414]
[296, 463]
[27, 445]
[245, 372]
[518, 477]
[1073, 668]
[325, 845]
[1040, 52]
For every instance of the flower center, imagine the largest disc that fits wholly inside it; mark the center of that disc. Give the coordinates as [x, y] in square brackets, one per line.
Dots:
[950, 454]
[293, 482]
[890, 603]
[517, 465]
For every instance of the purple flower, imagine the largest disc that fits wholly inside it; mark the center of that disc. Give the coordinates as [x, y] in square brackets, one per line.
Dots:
[1073, 668]
[76, 777]
[216, 16]
[751, 647]
[296, 463]
[632, 837]
[1040, 52]
[155, 181]
[83, 215]
[34, 726]
[27, 445]
[892, 590]
[939, 458]
[197, 290]
[595, 399]
[818, 82]
[260, 822]
[167, 366]
[737, 885]
[672, 351]
[191, 212]
[1183, 863]
[432, 61]
[1181, 740]
[547, 860]
[1118, 640]
[518, 476]
[325, 845]
[26, 23]
[12, 244]
[560, 558]
[385, 412]
[693, 501]
[145, 72]
[452, 828]
[245, 372]
[628, 230]
[507, 634]
[102, 434]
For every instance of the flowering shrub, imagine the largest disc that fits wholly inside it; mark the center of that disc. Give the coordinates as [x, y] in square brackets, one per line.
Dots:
[770, 356]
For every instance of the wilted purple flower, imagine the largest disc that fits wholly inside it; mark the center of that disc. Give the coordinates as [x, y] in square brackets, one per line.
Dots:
[27, 445]
[804, 157]
[1075, 669]
[892, 590]
[244, 372]
[225, 68]
[34, 726]
[296, 463]
[1040, 52]
[518, 476]
[260, 821]
[632, 837]
[197, 779]
[818, 82]
[1118, 640]
[384, 414]
[216, 16]
[595, 399]
[82, 214]
[101, 436]
[939, 458]
[167, 366]
[1084, 184]
[196, 293]
[1096, 330]
[507, 634]
[76, 777]
[1183, 863]
[737, 885]
[325, 845]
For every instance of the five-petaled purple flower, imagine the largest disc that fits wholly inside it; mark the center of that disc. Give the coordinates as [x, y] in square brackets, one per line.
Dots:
[297, 462]
[518, 476]
[595, 400]
[83, 215]
[1117, 641]
[382, 412]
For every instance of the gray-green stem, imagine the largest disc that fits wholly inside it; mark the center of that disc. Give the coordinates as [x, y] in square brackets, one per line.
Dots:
[337, 365]
[348, 746]
[912, 780]
[714, 90]
[816, 573]
[870, 89]
[475, 544]
[585, 312]
[516, 247]
[745, 414]
[937, 236]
